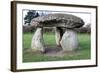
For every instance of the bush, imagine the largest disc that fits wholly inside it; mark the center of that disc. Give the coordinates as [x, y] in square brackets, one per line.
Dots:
[48, 29]
[28, 29]
[85, 29]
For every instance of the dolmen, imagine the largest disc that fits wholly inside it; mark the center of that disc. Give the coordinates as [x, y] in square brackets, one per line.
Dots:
[65, 35]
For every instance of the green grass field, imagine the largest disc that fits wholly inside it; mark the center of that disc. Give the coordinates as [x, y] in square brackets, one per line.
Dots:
[49, 39]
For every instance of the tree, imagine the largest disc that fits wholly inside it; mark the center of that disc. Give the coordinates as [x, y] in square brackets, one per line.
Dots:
[30, 15]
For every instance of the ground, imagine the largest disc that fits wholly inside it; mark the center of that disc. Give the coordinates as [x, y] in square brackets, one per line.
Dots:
[54, 53]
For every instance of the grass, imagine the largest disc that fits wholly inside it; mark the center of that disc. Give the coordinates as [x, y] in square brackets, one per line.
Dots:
[49, 39]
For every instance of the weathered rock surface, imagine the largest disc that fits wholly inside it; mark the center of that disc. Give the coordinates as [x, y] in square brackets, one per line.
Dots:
[37, 41]
[69, 40]
[58, 35]
[58, 20]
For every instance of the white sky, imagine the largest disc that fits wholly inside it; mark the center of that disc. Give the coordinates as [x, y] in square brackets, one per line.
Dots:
[85, 16]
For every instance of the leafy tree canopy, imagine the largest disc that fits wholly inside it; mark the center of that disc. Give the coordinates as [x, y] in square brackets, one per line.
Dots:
[30, 15]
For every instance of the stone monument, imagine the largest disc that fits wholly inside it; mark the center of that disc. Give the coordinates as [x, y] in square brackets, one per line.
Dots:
[67, 38]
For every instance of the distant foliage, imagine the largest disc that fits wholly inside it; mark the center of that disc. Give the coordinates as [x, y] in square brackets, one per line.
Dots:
[33, 14]
[88, 27]
[48, 29]
[85, 29]
[27, 29]
[30, 15]
[32, 29]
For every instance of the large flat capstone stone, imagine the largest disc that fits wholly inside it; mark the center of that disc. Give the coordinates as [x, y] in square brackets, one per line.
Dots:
[58, 20]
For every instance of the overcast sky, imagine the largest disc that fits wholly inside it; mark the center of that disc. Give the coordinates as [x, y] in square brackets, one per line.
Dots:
[85, 16]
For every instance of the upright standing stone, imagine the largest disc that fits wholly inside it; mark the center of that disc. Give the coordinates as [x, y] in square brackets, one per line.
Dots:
[69, 40]
[37, 41]
[58, 35]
